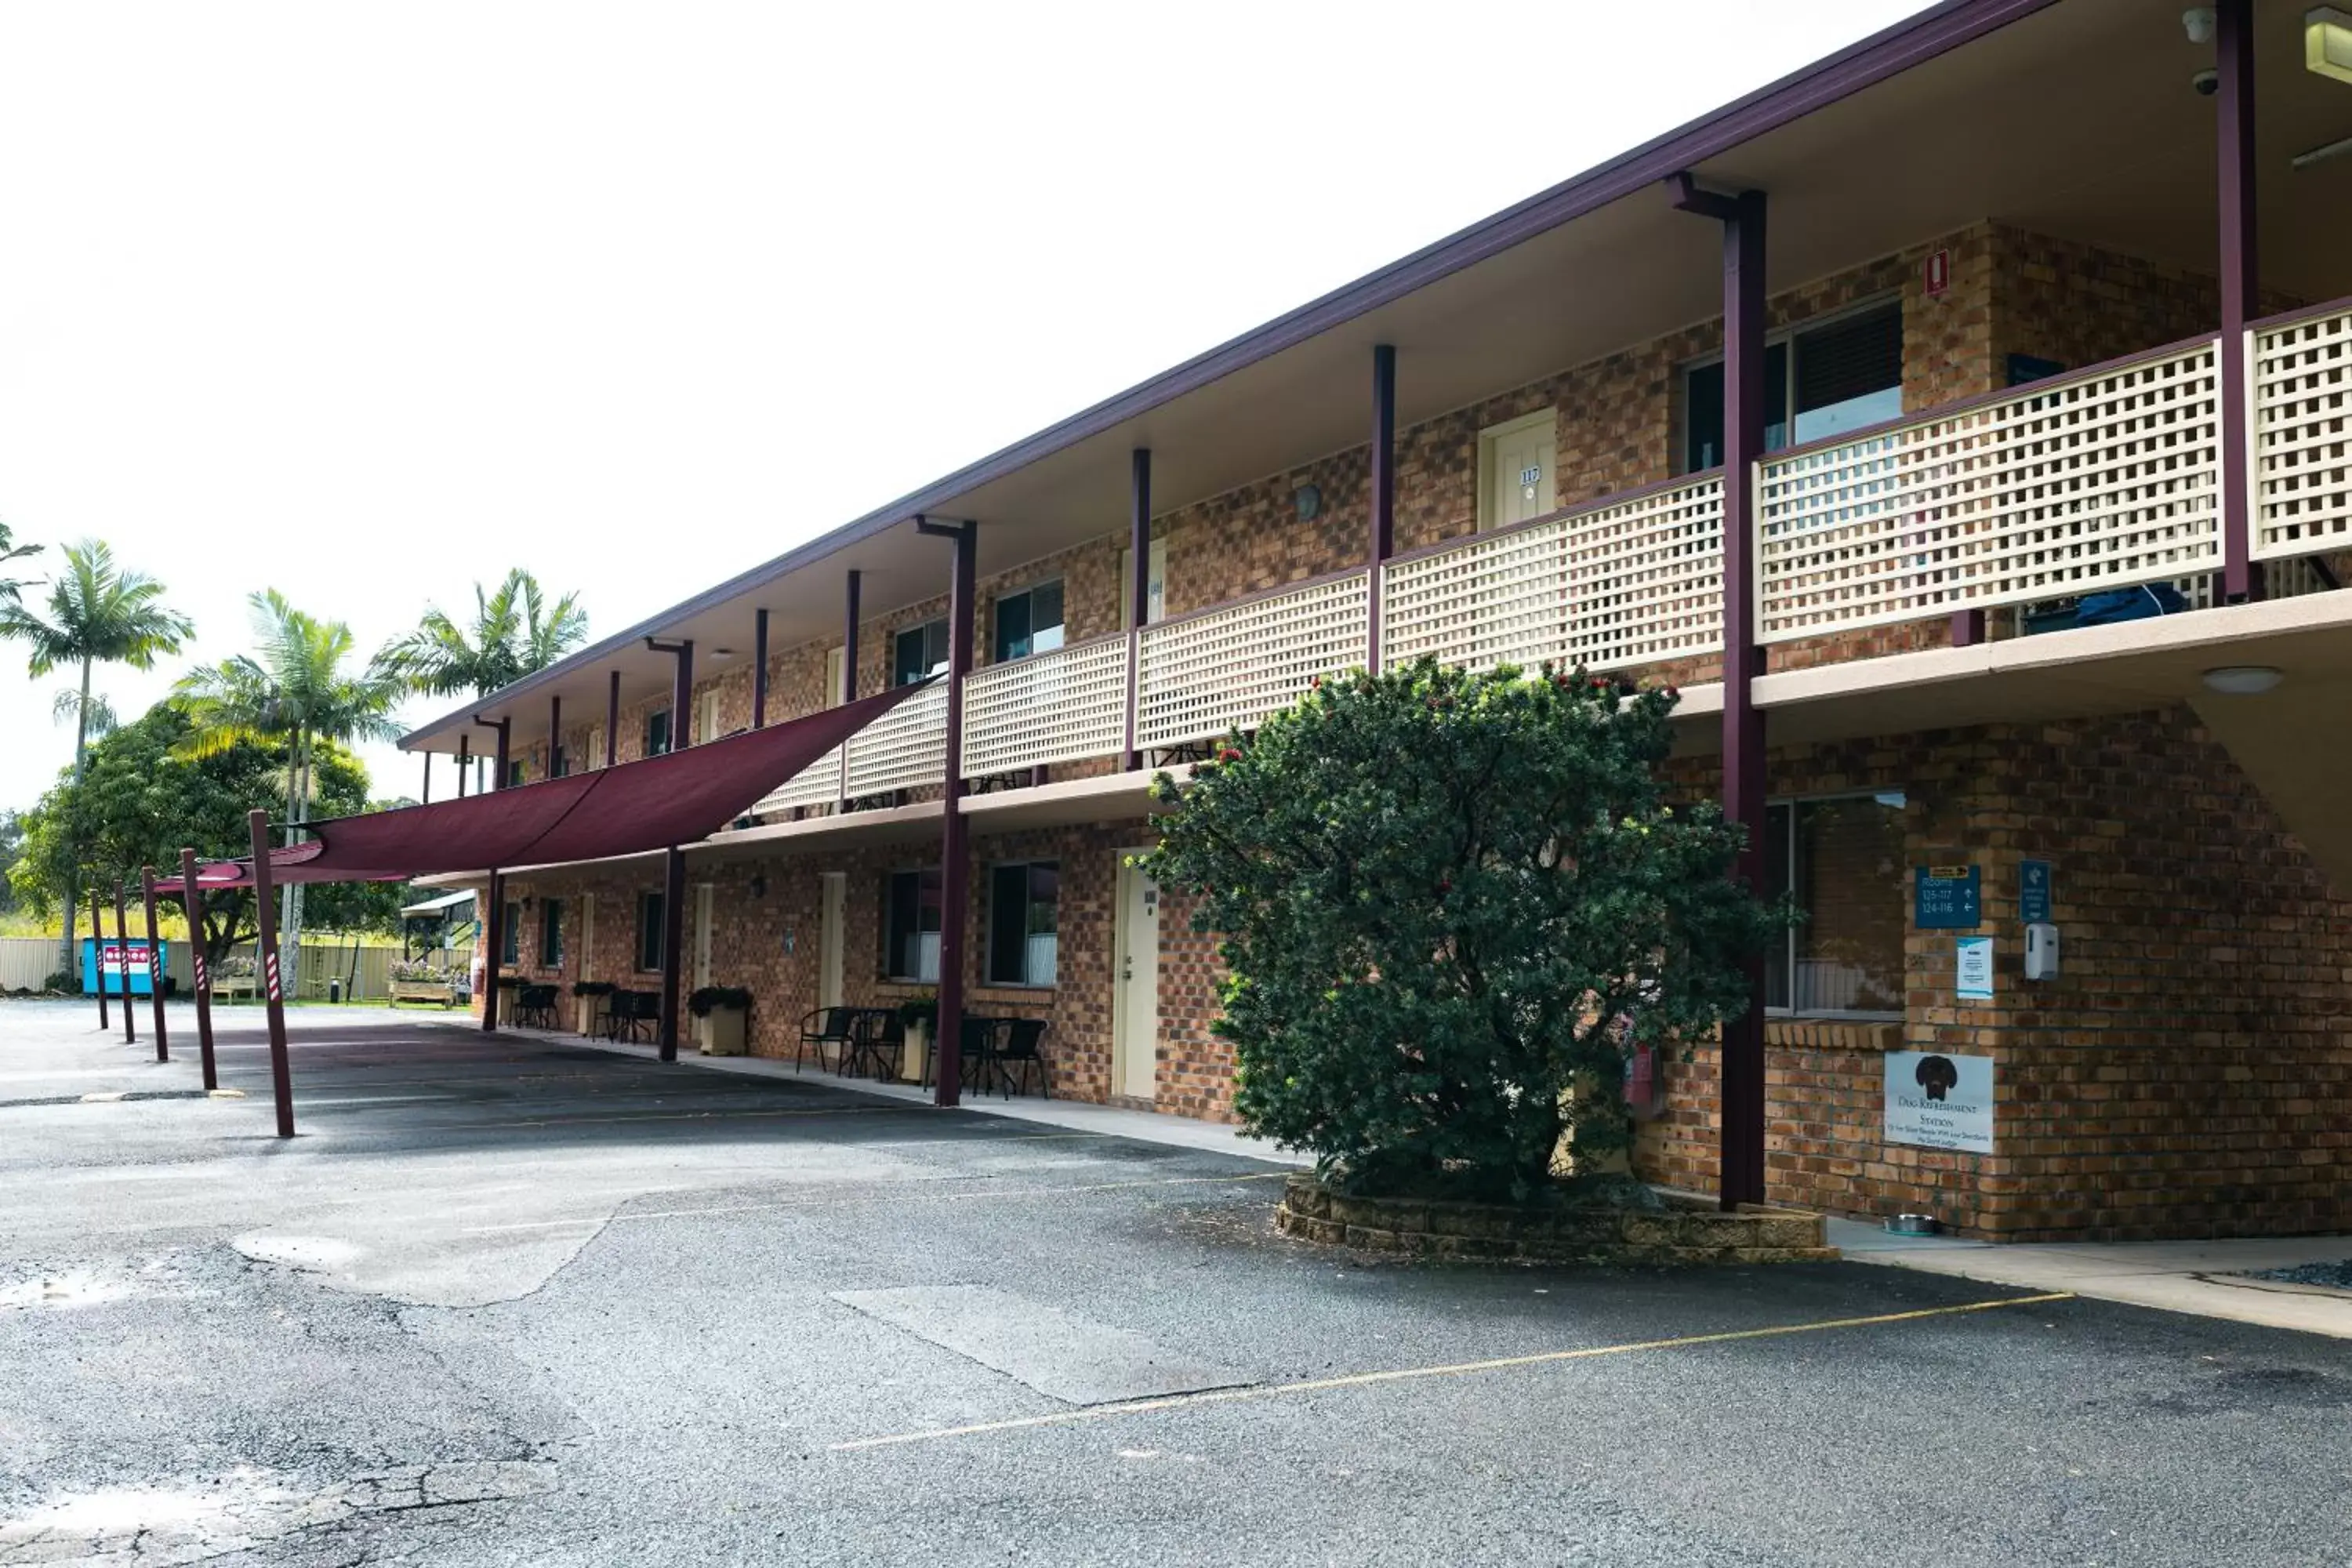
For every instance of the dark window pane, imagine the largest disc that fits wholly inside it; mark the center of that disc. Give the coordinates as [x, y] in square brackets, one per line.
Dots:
[649, 930]
[1850, 373]
[1776, 885]
[919, 651]
[1852, 882]
[550, 932]
[1008, 898]
[514, 774]
[561, 764]
[1046, 617]
[510, 936]
[912, 936]
[1703, 409]
[1013, 628]
[657, 734]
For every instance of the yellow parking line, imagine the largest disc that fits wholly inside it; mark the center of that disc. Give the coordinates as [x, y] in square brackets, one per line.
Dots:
[1401, 1374]
[897, 1192]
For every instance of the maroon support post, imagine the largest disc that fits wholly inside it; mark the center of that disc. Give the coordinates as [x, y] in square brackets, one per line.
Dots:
[494, 948]
[428, 778]
[97, 948]
[465, 763]
[273, 993]
[1742, 218]
[1382, 543]
[955, 866]
[554, 734]
[191, 901]
[504, 727]
[122, 940]
[2241, 287]
[155, 965]
[758, 669]
[681, 691]
[851, 591]
[1139, 579]
[673, 946]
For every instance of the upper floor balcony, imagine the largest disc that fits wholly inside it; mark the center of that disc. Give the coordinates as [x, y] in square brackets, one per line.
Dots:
[2030, 502]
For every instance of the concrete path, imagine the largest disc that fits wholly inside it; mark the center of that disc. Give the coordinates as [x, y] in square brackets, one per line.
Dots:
[2201, 1277]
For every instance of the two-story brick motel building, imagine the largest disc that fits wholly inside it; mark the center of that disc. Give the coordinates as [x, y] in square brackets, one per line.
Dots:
[1999, 544]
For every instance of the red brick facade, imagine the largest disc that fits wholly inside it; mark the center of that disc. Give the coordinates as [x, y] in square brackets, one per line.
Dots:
[2189, 1072]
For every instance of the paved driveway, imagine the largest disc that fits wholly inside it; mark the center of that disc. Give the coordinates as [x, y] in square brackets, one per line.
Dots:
[507, 1300]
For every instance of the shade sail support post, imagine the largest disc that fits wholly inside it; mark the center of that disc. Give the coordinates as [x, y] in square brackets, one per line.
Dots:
[192, 902]
[98, 952]
[758, 669]
[122, 940]
[613, 719]
[955, 865]
[494, 949]
[155, 964]
[465, 761]
[273, 995]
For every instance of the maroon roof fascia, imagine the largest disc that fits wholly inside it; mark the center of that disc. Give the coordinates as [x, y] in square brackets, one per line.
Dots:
[1863, 64]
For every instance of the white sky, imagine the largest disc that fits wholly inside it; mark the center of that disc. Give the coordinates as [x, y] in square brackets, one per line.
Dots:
[366, 303]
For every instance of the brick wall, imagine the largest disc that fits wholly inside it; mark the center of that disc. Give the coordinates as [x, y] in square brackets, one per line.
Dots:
[2189, 1072]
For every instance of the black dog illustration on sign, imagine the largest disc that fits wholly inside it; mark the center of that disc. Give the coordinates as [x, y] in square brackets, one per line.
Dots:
[1936, 1075]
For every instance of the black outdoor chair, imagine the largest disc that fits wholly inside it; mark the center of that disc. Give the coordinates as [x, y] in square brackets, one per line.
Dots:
[878, 1039]
[633, 1015]
[979, 1042]
[825, 1026]
[1020, 1046]
[535, 1008]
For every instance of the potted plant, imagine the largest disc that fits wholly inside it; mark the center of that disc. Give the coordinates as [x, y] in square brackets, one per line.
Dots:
[919, 1015]
[421, 980]
[719, 1014]
[592, 995]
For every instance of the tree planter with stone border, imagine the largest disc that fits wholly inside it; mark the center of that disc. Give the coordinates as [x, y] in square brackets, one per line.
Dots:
[1682, 1231]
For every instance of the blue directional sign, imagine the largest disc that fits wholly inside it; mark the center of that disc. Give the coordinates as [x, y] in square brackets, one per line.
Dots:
[1946, 898]
[2034, 891]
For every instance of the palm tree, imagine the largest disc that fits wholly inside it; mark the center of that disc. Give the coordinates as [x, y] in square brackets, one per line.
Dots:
[97, 614]
[11, 590]
[514, 632]
[296, 693]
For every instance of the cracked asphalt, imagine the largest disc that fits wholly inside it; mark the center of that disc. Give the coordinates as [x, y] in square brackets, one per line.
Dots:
[511, 1301]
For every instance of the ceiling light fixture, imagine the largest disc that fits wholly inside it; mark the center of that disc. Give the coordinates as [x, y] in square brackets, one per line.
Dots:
[2242, 679]
[2328, 43]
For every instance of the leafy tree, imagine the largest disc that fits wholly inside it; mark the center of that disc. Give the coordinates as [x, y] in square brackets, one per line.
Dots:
[296, 691]
[143, 796]
[1446, 902]
[98, 613]
[514, 632]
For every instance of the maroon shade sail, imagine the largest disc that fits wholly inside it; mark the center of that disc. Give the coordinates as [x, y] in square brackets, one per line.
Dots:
[676, 798]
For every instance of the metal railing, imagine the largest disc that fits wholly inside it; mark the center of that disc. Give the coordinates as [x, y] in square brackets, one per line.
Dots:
[1055, 707]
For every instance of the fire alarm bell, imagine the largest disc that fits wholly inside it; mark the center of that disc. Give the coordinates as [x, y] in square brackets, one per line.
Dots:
[2040, 952]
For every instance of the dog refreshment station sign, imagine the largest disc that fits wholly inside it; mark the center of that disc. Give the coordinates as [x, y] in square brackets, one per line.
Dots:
[1938, 1102]
[116, 956]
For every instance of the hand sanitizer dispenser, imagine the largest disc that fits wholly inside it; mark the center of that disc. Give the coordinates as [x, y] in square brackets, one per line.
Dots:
[2040, 952]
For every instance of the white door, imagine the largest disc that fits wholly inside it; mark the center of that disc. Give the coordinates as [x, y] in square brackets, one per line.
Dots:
[1158, 581]
[587, 936]
[836, 899]
[702, 898]
[1135, 985]
[710, 728]
[595, 757]
[830, 696]
[1517, 483]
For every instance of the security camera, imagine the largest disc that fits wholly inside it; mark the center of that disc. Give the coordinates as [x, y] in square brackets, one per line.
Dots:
[2206, 82]
[2198, 22]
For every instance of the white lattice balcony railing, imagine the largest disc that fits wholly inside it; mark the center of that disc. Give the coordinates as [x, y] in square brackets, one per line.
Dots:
[1626, 581]
[816, 784]
[2097, 479]
[1226, 668]
[2300, 433]
[905, 747]
[1052, 707]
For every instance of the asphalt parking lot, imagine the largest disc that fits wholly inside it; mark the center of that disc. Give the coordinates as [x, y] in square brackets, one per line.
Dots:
[507, 1300]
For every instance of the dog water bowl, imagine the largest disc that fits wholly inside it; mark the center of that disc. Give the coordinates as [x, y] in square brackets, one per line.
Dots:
[1915, 1224]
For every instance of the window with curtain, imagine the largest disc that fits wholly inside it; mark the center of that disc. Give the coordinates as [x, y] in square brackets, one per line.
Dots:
[657, 732]
[1840, 375]
[910, 942]
[919, 651]
[1024, 922]
[1029, 622]
[1844, 860]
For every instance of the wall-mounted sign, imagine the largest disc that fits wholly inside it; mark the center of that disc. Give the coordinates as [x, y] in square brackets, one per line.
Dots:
[1937, 1101]
[1972, 969]
[116, 957]
[1946, 898]
[1937, 273]
[2034, 891]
